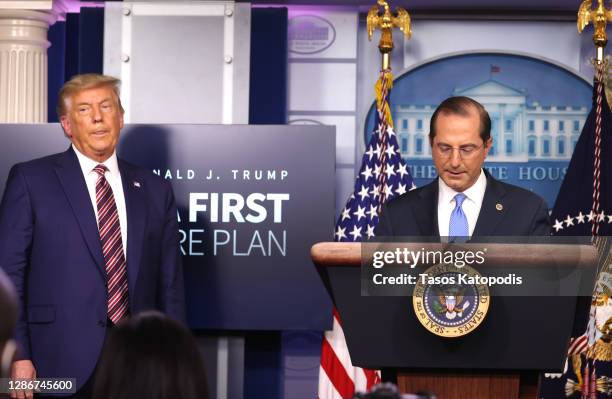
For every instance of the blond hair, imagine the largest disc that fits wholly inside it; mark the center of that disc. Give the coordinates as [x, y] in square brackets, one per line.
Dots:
[82, 82]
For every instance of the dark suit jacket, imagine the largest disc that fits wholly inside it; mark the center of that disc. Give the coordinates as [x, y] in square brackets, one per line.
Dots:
[50, 248]
[415, 213]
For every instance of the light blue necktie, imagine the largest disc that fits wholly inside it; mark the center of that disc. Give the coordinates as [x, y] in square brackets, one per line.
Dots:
[458, 229]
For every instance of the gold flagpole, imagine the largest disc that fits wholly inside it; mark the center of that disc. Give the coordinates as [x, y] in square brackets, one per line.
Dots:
[600, 18]
[386, 21]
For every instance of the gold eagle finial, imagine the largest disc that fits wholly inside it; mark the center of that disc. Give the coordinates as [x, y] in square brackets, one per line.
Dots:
[386, 21]
[600, 17]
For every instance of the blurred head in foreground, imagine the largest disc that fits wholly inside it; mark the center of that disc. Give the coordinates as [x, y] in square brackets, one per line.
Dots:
[151, 356]
[8, 320]
[390, 391]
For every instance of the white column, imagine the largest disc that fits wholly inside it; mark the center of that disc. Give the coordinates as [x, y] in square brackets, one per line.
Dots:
[23, 64]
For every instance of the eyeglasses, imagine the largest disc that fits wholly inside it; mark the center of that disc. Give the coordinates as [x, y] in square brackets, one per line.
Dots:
[465, 151]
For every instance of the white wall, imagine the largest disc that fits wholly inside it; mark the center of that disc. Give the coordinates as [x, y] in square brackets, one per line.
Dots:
[180, 62]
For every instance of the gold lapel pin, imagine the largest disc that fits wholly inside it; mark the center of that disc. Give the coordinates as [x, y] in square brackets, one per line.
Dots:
[499, 207]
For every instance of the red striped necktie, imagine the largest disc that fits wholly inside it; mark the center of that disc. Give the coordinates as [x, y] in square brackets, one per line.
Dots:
[112, 248]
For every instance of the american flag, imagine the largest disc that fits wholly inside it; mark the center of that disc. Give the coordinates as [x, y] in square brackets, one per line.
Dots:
[382, 177]
[584, 208]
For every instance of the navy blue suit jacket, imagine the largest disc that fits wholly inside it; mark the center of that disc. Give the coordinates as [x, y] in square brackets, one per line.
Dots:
[415, 213]
[50, 248]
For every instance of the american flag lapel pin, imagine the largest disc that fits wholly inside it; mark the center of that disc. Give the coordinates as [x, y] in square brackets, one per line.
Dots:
[136, 184]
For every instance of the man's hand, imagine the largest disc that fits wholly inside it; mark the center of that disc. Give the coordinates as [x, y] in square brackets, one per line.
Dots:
[23, 369]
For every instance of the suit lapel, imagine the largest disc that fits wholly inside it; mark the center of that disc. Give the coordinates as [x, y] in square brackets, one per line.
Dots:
[71, 178]
[426, 212]
[136, 220]
[493, 208]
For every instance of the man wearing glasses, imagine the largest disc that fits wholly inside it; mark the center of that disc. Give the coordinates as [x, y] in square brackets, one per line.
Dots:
[465, 200]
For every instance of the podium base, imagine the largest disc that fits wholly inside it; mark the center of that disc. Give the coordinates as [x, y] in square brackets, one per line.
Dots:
[458, 385]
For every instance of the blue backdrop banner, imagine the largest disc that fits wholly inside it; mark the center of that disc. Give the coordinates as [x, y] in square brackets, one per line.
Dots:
[251, 202]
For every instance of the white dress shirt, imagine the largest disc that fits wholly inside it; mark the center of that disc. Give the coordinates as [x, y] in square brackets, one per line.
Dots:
[113, 176]
[471, 205]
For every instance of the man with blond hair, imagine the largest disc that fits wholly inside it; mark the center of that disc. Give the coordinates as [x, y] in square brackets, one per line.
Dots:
[87, 240]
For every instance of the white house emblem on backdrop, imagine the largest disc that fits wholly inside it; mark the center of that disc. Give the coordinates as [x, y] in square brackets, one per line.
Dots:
[521, 131]
[310, 34]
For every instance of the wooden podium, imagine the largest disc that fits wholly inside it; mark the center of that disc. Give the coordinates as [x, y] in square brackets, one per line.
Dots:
[502, 358]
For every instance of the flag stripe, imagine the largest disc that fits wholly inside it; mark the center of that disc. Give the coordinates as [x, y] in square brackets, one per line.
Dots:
[326, 387]
[578, 345]
[336, 372]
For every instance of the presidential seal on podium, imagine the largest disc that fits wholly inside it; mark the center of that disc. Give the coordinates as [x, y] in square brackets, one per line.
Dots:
[450, 301]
